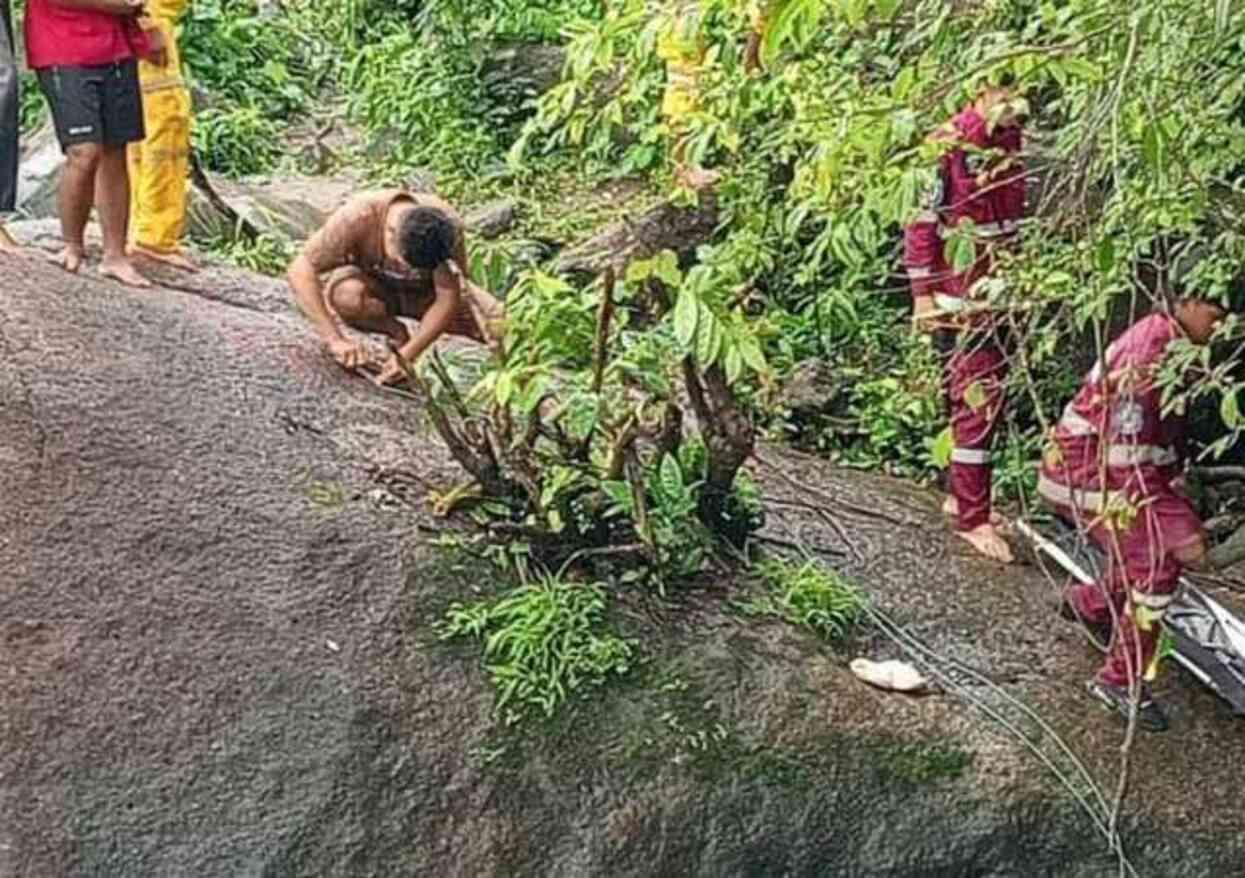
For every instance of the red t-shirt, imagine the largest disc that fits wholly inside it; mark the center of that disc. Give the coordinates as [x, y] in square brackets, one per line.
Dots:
[61, 36]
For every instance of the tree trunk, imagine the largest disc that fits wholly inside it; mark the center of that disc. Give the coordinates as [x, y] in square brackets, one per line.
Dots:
[729, 439]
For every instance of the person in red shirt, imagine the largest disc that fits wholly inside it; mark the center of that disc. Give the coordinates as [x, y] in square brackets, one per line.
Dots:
[10, 121]
[980, 180]
[1112, 468]
[85, 54]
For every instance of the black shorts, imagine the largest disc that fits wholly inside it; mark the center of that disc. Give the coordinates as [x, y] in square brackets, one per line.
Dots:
[95, 104]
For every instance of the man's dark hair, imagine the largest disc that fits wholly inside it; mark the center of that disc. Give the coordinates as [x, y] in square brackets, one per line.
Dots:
[426, 237]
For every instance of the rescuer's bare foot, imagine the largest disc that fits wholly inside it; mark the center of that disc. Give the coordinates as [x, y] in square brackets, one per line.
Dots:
[951, 508]
[985, 539]
[176, 259]
[123, 271]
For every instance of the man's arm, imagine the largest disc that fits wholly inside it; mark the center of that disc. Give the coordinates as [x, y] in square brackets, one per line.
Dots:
[328, 249]
[309, 294]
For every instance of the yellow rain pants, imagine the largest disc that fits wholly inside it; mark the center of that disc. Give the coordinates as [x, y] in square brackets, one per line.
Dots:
[160, 164]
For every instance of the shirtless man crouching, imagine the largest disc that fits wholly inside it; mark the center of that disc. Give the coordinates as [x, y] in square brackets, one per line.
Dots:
[389, 255]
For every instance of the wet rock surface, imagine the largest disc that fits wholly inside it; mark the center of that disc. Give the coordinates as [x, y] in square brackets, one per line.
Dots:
[216, 655]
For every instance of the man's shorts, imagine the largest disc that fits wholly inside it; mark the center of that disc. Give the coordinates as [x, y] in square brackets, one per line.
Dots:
[95, 104]
[404, 300]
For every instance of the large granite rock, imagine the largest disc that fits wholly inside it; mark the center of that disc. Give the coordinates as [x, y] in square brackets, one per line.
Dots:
[216, 659]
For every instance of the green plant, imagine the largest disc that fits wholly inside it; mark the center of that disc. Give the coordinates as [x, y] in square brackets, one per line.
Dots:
[237, 141]
[924, 762]
[543, 642]
[807, 595]
[267, 253]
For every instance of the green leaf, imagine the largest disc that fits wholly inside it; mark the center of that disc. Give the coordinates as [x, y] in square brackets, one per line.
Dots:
[733, 363]
[639, 270]
[708, 338]
[750, 350]
[666, 268]
[620, 494]
[940, 451]
[1229, 411]
[975, 395]
[1105, 255]
[686, 316]
[505, 387]
[671, 476]
[1154, 146]
[963, 252]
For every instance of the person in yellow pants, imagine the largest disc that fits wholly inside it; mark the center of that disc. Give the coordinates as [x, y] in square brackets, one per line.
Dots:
[159, 164]
[681, 46]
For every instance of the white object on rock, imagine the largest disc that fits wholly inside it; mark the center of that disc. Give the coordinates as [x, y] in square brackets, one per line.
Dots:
[895, 675]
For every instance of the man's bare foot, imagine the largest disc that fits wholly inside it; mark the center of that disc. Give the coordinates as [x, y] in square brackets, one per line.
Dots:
[985, 539]
[175, 259]
[70, 258]
[123, 271]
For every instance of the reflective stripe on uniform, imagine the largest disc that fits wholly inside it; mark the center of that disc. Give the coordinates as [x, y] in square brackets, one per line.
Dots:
[1136, 455]
[977, 456]
[164, 83]
[926, 216]
[953, 304]
[1062, 495]
[1073, 424]
[917, 272]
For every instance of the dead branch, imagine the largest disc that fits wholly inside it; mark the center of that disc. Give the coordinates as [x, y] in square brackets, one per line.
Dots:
[199, 177]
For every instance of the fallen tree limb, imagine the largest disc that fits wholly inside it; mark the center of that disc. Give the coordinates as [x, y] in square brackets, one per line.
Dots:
[242, 226]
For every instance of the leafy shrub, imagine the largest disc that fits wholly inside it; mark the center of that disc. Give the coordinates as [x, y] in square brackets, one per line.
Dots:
[237, 141]
[807, 595]
[543, 642]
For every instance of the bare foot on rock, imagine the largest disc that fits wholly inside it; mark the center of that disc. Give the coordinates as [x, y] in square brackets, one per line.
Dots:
[986, 539]
[175, 259]
[123, 271]
[951, 508]
[70, 258]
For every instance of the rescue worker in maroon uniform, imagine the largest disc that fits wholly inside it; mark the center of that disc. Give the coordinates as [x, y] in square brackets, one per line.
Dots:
[980, 178]
[1112, 468]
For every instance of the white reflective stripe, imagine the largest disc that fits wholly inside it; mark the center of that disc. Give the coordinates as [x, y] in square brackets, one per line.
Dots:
[1073, 424]
[970, 455]
[926, 216]
[1135, 455]
[918, 272]
[1152, 601]
[953, 304]
[988, 229]
[1062, 495]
